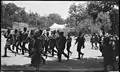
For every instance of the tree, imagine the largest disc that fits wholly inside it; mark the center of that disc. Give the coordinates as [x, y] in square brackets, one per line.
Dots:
[96, 7]
[8, 11]
[12, 13]
[56, 18]
[77, 13]
[70, 21]
[79, 18]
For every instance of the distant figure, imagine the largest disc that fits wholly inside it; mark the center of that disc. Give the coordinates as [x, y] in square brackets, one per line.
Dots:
[80, 41]
[57, 38]
[94, 39]
[83, 46]
[101, 38]
[69, 39]
[61, 46]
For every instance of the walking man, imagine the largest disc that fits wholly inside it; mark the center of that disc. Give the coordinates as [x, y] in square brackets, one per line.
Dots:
[8, 42]
[61, 46]
[52, 43]
[69, 39]
[46, 43]
[14, 39]
[19, 41]
[80, 41]
[24, 37]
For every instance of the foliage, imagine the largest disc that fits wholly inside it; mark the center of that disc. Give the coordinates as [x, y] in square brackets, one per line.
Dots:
[12, 13]
[96, 8]
[77, 13]
[96, 15]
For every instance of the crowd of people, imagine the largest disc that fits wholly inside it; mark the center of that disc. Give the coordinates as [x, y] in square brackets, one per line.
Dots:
[108, 46]
[41, 44]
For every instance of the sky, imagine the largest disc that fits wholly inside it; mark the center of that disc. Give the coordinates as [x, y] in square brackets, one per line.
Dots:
[44, 8]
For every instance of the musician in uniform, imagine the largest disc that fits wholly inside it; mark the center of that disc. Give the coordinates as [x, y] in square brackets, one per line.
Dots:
[36, 57]
[8, 37]
[19, 41]
[61, 47]
[69, 39]
[52, 42]
[14, 36]
[46, 43]
[24, 40]
[30, 41]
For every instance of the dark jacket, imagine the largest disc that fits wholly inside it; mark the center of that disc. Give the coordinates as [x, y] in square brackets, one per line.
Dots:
[61, 42]
[80, 41]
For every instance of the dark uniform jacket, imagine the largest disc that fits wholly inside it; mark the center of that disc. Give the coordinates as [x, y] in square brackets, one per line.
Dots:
[80, 41]
[61, 42]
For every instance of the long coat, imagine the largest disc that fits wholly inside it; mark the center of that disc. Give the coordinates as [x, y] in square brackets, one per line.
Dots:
[108, 52]
[38, 48]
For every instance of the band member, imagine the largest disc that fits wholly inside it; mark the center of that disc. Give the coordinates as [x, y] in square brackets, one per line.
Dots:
[14, 39]
[19, 41]
[57, 34]
[52, 43]
[69, 39]
[24, 40]
[46, 43]
[8, 36]
[80, 41]
[83, 46]
[36, 57]
[61, 46]
[31, 41]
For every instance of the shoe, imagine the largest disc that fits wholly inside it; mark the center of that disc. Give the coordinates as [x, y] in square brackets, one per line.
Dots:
[43, 62]
[5, 56]
[68, 58]
[60, 61]
[78, 58]
[82, 55]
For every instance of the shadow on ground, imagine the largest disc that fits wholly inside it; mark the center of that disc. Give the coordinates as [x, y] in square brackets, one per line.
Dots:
[86, 63]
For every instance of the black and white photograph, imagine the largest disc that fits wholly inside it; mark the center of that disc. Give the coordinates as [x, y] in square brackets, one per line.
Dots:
[60, 36]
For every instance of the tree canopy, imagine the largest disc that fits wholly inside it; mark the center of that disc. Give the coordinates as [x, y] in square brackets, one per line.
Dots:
[12, 13]
[94, 16]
